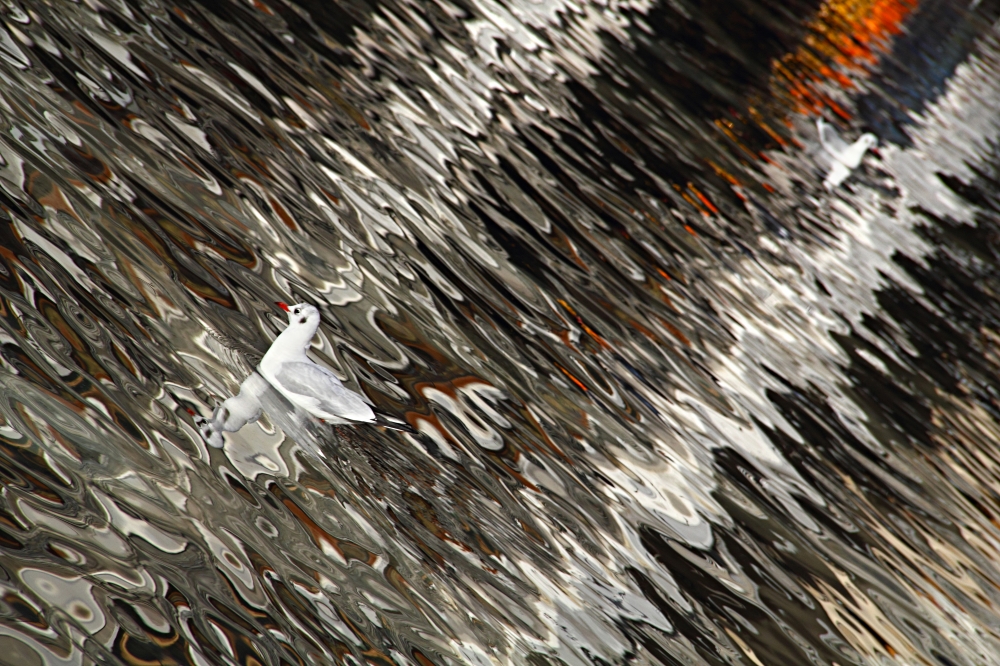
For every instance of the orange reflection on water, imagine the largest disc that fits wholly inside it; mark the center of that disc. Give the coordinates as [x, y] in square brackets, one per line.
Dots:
[846, 36]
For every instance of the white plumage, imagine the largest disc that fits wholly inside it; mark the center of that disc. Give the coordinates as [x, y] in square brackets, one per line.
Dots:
[304, 383]
[287, 369]
[844, 157]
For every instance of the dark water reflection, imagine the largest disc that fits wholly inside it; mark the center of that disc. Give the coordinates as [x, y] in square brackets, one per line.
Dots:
[675, 402]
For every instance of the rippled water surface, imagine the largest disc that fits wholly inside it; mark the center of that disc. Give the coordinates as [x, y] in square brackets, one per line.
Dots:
[673, 401]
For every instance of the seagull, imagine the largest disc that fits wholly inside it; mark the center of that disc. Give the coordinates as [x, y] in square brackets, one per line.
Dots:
[287, 369]
[305, 383]
[845, 158]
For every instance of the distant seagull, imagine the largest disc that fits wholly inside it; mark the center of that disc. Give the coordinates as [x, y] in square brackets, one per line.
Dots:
[845, 158]
[304, 383]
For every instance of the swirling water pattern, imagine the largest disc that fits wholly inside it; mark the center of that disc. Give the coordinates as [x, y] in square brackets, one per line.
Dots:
[674, 402]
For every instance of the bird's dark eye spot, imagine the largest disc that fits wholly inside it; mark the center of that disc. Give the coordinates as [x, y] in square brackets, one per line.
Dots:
[302, 321]
[296, 311]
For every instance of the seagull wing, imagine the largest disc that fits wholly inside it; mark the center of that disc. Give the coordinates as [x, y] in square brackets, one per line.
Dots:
[321, 392]
[830, 140]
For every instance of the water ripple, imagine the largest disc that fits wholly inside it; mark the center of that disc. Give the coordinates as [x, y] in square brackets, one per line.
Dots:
[672, 401]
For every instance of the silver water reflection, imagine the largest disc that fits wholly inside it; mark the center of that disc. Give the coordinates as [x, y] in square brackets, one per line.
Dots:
[674, 401]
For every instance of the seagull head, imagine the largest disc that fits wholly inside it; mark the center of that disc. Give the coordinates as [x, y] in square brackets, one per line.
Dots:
[303, 321]
[301, 314]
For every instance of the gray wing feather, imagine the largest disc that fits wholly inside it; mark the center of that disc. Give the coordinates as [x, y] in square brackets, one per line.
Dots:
[307, 379]
[314, 381]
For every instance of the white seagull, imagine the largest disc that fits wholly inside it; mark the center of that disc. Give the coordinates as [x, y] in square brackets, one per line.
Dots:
[304, 383]
[845, 158]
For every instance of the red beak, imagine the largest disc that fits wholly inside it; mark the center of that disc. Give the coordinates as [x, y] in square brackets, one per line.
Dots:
[283, 306]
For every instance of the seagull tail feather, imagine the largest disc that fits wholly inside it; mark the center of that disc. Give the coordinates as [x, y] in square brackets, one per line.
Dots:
[393, 423]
